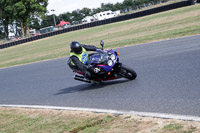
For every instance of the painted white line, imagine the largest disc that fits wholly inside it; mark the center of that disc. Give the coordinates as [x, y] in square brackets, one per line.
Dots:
[143, 114]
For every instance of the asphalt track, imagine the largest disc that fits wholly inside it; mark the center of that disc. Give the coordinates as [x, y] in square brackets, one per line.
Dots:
[168, 81]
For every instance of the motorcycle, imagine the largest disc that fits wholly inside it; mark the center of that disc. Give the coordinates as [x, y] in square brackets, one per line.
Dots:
[106, 66]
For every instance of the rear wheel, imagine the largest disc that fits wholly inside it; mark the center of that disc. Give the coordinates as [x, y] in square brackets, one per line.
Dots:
[127, 72]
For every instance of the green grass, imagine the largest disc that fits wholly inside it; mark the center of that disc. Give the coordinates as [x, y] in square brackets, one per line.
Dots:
[171, 127]
[22, 120]
[12, 121]
[171, 24]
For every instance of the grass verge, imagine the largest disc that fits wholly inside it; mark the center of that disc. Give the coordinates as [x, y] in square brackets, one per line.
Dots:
[59, 121]
[171, 24]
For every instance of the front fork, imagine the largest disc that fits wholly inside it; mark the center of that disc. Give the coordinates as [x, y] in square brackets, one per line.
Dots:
[117, 65]
[116, 71]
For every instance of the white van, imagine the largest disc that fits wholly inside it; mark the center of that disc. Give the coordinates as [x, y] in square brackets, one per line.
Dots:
[106, 15]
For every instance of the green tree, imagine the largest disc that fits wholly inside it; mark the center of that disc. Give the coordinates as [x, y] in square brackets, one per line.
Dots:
[34, 24]
[6, 14]
[25, 9]
[65, 17]
[86, 12]
[76, 15]
[118, 6]
[106, 7]
[97, 10]
[128, 3]
[47, 21]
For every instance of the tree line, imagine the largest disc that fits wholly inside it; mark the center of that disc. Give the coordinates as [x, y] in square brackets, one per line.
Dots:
[26, 14]
[79, 14]
[21, 13]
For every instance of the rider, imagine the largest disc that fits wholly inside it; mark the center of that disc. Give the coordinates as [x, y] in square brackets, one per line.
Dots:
[79, 57]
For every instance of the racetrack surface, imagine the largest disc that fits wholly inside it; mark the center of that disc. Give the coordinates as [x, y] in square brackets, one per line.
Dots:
[168, 81]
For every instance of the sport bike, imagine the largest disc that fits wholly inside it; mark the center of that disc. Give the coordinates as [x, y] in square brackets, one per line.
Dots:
[105, 66]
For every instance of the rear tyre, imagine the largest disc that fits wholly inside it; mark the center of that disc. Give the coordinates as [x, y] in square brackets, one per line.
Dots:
[127, 72]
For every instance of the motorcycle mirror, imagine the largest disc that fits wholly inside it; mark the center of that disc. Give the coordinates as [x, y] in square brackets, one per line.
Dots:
[102, 44]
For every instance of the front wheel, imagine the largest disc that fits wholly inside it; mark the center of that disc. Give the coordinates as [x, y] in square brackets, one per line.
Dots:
[127, 72]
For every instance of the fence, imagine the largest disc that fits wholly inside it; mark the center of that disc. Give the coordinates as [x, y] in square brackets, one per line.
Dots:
[102, 22]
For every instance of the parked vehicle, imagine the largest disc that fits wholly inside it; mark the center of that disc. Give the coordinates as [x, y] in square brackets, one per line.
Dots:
[46, 29]
[14, 38]
[33, 32]
[88, 19]
[106, 15]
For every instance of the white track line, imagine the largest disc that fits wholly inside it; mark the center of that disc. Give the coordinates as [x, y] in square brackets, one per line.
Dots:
[143, 114]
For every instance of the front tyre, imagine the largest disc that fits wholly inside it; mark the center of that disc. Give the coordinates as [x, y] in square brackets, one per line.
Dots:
[127, 72]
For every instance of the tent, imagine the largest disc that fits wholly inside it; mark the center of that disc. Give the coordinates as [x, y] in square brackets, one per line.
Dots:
[62, 23]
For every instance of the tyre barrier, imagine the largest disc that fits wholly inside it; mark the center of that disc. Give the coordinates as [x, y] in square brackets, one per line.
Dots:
[103, 22]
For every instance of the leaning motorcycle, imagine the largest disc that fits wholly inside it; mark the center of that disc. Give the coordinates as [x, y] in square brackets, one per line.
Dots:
[106, 66]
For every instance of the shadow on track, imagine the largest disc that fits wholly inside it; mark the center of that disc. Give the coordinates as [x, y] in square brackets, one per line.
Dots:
[85, 87]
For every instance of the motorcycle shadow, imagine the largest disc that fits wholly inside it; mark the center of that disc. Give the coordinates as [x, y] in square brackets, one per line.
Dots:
[92, 86]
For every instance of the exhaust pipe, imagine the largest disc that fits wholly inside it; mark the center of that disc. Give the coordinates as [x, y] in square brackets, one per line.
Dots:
[81, 78]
